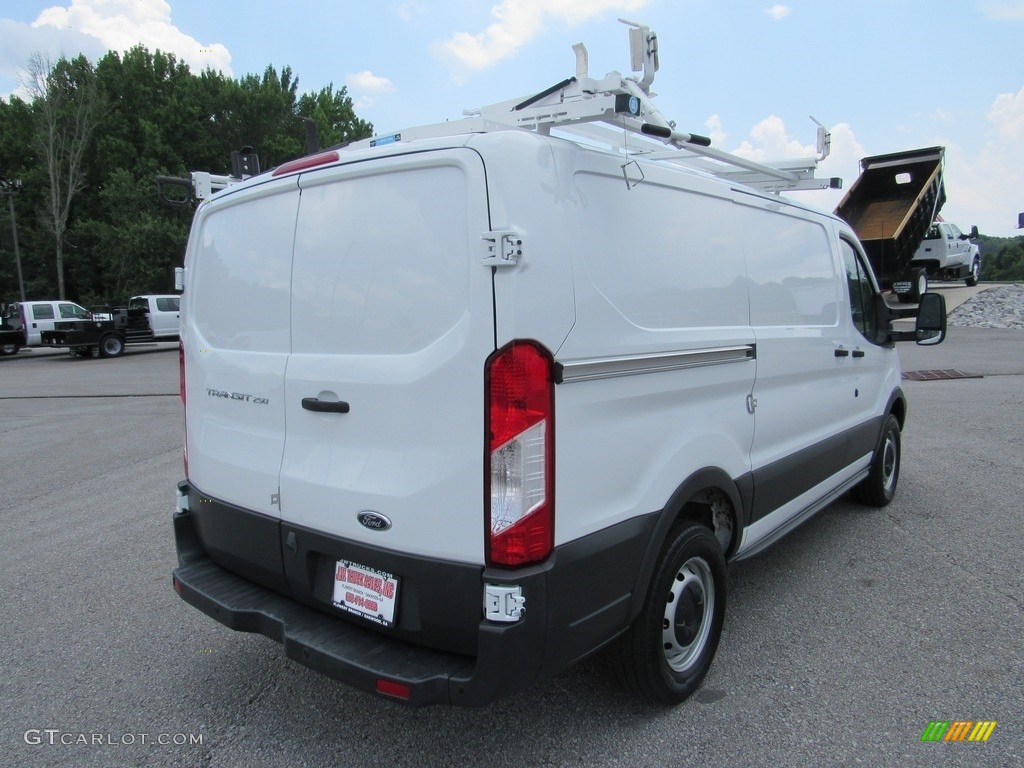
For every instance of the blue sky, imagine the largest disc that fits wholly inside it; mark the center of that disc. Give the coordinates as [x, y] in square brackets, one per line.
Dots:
[884, 75]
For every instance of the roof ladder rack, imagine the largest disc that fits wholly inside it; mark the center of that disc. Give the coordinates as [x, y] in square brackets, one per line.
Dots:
[597, 112]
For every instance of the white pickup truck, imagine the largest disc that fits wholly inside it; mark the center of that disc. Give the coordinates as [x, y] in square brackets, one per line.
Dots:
[163, 313]
[946, 253]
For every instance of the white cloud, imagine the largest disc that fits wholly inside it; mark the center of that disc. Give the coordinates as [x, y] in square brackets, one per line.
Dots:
[716, 132]
[1008, 115]
[779, 12]
[121, 24]
[985, 187]
[367, 81]
[365, 87]
[770, 141]
[1004, 10]
[517, 23]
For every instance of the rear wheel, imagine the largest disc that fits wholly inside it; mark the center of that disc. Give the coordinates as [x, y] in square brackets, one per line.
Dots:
[879, 487]
[669, 648]
[920, 285]
[111, 345]
[9, 349]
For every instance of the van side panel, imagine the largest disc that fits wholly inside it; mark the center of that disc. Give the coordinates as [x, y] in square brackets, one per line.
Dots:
[235, 333]
[661, 360]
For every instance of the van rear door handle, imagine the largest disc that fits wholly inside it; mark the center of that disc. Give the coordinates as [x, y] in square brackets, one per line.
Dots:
[842, 352]
[324, 406]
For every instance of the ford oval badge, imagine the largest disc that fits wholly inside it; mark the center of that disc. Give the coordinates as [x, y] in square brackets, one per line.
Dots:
[373, 521]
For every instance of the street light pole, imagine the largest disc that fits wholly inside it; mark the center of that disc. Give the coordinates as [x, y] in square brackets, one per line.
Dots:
[11, 188]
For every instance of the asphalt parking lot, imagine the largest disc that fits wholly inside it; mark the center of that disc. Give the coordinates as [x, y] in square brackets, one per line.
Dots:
[842, 643]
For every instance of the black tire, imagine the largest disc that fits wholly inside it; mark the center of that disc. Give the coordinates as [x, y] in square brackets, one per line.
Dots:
[111, 345]
[879, 487]
[670, 646]
[9, 349]
[972, 279]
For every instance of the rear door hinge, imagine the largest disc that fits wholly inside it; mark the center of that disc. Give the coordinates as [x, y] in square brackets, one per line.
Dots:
[502, 248]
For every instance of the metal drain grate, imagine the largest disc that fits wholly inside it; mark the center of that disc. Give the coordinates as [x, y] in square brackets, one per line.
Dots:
[940, 375]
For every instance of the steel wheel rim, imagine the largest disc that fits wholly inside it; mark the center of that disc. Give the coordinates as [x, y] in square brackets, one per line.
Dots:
[889, 465]
[689, 610]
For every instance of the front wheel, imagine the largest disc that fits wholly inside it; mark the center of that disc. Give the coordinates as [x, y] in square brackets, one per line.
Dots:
[111, 345]
[669, 648]
[879, 487]
[972, 279]
[9, 349]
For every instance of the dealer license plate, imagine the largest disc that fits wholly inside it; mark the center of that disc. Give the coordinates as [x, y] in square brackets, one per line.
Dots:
[366, 592]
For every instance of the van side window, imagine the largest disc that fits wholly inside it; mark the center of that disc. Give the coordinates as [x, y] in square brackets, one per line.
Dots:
[862, 293]
[42, 312]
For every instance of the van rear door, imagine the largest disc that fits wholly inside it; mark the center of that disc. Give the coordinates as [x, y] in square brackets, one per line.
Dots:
[235, 333]
[392, 320]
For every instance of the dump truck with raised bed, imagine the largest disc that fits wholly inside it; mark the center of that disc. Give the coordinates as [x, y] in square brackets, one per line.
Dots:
[891, 206]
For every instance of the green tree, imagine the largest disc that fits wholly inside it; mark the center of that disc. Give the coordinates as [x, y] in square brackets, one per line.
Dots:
[153, 116]
[335, 118]
[1002, 258]
[66, 101]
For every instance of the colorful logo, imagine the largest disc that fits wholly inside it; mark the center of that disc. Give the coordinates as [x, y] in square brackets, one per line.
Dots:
[958, 730]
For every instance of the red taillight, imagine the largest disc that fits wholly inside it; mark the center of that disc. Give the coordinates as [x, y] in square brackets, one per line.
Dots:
[519, 472]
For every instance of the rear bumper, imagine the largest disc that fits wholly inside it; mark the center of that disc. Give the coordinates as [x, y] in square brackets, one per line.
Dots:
[575, 602]
[342, 650]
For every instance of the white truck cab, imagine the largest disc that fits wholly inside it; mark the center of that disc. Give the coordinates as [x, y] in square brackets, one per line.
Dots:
[946, 253]
[34, 317]
[164, 313]
[478, 407]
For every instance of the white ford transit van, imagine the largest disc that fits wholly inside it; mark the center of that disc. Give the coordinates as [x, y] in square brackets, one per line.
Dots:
[486, 402]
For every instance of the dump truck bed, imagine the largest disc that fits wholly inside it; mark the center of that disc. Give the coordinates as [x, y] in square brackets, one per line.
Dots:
[892, 204]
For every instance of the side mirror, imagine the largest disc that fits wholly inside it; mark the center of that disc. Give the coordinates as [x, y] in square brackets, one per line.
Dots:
[931, 319]
[179, 279]
[974, 231]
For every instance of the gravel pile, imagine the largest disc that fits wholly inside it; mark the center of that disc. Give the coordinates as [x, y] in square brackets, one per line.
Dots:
[1001, 306]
